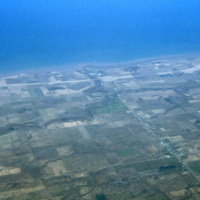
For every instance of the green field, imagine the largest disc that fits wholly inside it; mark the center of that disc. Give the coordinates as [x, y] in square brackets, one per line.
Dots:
[108, 105]
[127, 152]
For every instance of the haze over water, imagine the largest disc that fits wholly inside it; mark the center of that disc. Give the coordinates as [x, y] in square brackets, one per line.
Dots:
[52, 33]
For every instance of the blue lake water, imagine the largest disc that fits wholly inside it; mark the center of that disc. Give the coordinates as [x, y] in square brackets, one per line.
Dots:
[64, 32]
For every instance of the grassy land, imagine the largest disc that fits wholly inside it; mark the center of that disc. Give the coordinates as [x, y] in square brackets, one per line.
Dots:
[109, 105]
[35, 92]
[157, 197]
[127, 152]
[195, 165]
[121, 196]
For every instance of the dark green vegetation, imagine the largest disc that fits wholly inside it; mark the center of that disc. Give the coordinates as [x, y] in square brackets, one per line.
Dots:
[128, 133]
[101, 197]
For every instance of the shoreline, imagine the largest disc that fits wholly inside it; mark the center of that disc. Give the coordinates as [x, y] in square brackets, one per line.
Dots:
[98, 65]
